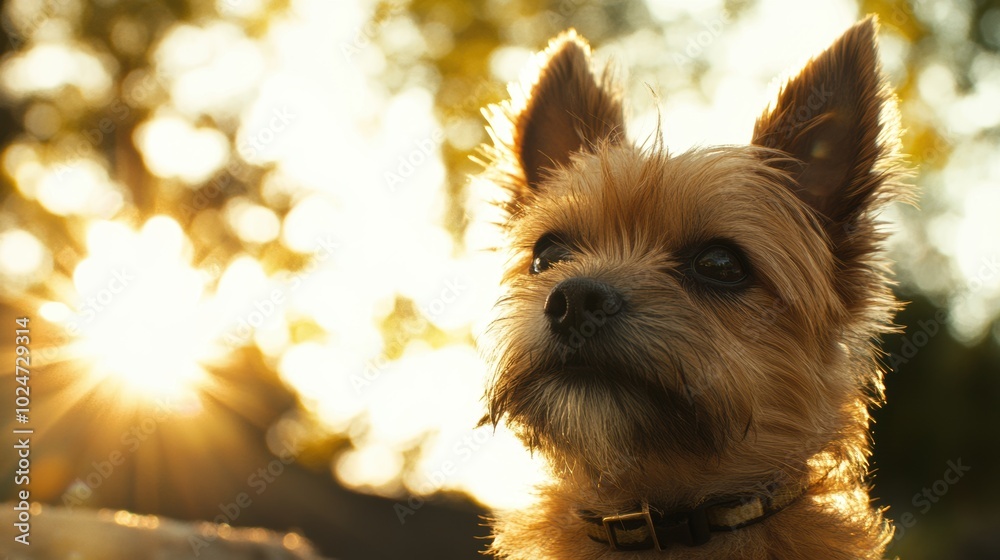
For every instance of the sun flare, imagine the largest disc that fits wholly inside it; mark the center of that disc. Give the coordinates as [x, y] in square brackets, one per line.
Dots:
[139, 323]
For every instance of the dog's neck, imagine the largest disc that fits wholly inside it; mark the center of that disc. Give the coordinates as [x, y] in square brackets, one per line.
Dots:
[651, 526]
[669, 487]
[770, 518]
[682, 480]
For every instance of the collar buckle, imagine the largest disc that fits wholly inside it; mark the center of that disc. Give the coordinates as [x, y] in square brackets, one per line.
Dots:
[612, 523]
[652, 528]
[690, 528]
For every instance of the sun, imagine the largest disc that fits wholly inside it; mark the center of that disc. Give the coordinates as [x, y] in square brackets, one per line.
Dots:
[139, 316]
[151, 361]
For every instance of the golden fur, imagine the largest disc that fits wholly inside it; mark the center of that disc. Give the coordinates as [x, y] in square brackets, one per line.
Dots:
[694, 391]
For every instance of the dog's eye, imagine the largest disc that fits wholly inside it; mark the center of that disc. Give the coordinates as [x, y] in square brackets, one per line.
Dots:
[720, 265]
[548, 251]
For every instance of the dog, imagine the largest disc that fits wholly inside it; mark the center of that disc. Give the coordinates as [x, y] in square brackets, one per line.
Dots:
[690, 340]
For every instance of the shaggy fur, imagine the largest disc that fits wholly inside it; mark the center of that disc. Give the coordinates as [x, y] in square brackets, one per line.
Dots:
[690, 390]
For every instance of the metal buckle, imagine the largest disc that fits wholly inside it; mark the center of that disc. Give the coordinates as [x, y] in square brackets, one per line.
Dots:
[627, 517]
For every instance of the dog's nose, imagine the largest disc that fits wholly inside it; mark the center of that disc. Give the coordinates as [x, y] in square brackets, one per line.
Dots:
[582, 305]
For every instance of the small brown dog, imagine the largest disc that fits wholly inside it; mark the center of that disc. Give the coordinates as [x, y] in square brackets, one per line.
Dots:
[689, 339]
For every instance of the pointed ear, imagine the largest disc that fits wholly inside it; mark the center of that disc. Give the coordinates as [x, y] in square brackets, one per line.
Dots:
[835, 120]
[829, 119]
[561, 109]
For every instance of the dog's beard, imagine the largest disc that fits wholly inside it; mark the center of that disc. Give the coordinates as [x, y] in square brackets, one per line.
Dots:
[606, 404]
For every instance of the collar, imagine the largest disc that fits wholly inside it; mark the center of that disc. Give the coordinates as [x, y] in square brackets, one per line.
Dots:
[648, 527]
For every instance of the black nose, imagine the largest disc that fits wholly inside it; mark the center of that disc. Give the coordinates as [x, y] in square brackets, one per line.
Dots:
[582, 305]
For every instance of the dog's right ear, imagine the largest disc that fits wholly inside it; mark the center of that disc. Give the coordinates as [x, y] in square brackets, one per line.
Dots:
[561, 108]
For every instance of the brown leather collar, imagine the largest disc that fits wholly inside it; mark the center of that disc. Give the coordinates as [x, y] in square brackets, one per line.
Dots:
[648, 527]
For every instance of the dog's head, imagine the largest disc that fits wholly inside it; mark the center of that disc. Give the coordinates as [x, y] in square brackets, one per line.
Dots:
[719, 303]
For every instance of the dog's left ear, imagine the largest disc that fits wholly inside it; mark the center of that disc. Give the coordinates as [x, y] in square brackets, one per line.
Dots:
[829, 119]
